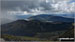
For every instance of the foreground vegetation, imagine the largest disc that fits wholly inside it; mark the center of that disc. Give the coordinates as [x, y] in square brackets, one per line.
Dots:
[40, 36]
[20, 38]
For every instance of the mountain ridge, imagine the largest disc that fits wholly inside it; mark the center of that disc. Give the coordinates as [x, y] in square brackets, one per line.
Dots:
[45, 17]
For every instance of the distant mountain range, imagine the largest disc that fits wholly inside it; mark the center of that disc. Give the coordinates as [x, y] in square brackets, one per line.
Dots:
[23, 16]
[52, 18]
[66, 15]
[45, 17]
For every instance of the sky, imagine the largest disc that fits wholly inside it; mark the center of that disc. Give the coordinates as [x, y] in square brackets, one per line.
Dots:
[10, 9]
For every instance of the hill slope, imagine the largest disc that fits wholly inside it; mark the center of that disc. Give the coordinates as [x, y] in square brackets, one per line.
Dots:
[30, 28]
[68, 34]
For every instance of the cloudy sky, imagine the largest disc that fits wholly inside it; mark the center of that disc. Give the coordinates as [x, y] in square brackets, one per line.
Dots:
[10, 9]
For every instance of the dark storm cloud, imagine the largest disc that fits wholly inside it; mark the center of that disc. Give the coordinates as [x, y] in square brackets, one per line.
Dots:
[12, 5]
[29, 5]
[25, 5]
[46, 6]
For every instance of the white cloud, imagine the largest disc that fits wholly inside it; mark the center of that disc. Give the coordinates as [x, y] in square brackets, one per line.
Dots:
[64, 6]
[59, 6]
